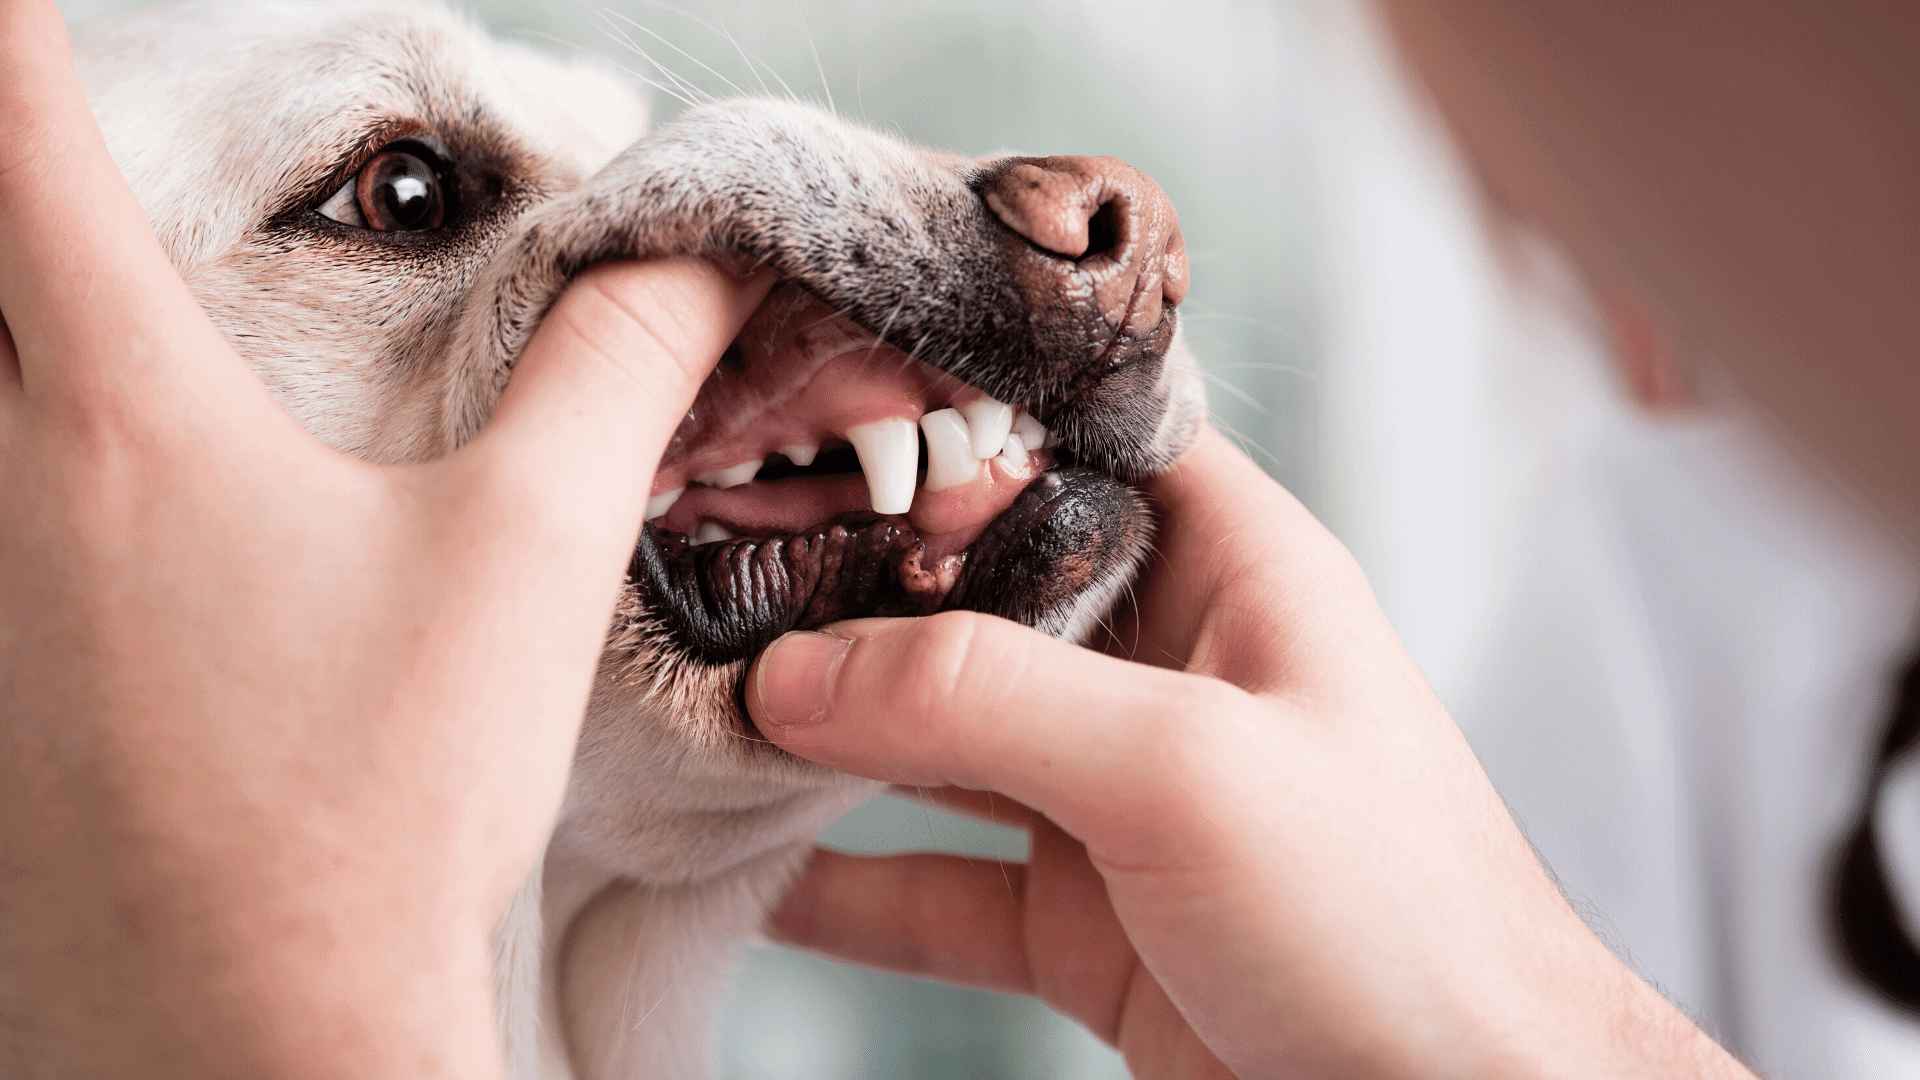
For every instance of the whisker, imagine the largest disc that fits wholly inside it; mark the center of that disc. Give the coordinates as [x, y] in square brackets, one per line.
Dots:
[1284, 369]
[1247, 445]
[1133, 602]
[722, 30]
[898, 307]
[1001, 863]
[1188, 314]
[681, 51]
[667, 90]
[627, 39]
[1246, 399]
[927, 815]
[751, 69]
[817, 66]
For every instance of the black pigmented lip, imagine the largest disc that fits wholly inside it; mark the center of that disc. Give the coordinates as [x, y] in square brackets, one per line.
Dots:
[727, 600]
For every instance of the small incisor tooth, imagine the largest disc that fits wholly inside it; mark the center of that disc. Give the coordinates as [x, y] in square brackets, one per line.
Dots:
[990, 421]
[889, 452]
[1031, 434]
[1015, 451]
[731, 476]
[800, 454]
[663, 502]
[709, 532]
[950, 457]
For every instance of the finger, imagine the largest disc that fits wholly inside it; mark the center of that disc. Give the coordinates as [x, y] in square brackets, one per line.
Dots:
[1104, 747]
[988, 806]
[606, 380]
[934, 916]
[91, 299]
[1246, 584]
[9, 362]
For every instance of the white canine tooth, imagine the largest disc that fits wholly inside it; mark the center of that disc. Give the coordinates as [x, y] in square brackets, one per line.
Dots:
[1032, 435]
[731, 476]
[663, 502]
[889, 452]
[950, 458]
[1015, 452]
[709, 532]
[800, 454]
[990, 421]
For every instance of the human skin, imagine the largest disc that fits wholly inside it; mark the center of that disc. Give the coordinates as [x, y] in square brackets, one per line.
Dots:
[1261, 848]
[1742, 174]
[1285, 853]
[1258, 837]
[281, 731]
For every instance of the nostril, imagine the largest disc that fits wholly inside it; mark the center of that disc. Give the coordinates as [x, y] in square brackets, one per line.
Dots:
[1103, 231]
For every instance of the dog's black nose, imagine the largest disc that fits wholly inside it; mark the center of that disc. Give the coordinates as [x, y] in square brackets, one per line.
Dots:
[1107, 236]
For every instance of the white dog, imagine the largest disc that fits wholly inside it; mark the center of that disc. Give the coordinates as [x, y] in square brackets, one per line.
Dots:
[377, 204]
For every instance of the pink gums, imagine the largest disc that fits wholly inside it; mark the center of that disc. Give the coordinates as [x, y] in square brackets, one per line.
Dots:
[803, 375]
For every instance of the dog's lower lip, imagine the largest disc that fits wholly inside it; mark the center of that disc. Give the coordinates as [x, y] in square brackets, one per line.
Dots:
[727, 600]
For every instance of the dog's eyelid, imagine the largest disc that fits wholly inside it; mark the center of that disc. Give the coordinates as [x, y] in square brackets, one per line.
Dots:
[343, 206]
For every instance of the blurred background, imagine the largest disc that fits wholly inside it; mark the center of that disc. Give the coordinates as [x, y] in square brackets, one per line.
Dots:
[1576, 578]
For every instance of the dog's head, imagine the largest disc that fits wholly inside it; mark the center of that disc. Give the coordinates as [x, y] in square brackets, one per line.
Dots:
[377, 205]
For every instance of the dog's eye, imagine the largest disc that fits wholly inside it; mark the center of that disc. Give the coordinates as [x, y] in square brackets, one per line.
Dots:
[398, 191]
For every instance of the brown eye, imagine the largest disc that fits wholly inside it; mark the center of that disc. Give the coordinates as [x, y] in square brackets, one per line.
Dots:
[399, 192]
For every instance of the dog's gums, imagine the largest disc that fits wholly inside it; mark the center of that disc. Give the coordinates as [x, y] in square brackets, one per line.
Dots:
[728, 599]
[754, 530]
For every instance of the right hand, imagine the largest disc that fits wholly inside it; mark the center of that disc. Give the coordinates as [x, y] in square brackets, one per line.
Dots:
[1259, 843]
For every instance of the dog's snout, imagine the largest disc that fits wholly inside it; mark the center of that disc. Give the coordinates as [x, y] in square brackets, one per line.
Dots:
[1105, 232]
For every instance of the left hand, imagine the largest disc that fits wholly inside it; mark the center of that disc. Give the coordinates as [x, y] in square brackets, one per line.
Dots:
[281, 731]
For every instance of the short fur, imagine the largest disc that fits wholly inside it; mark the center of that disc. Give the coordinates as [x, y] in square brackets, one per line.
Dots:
[234, 121]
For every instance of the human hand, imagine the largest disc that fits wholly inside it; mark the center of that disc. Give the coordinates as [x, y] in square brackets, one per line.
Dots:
[1260, 847]
[280, 730]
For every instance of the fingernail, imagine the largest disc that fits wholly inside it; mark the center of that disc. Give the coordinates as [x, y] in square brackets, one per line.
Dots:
[794, 679]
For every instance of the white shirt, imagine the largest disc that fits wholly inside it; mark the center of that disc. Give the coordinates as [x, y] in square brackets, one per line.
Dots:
[1694, 675]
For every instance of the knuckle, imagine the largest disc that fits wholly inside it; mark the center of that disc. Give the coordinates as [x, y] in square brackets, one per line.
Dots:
[935, 662]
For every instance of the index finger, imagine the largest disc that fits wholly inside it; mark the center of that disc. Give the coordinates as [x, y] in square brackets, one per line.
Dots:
[89, 295]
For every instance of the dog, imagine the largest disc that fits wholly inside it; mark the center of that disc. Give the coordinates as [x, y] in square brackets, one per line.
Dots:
[376, 204]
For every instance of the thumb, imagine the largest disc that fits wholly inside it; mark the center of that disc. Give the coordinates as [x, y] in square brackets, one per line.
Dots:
[1104, 747]
[607, 377]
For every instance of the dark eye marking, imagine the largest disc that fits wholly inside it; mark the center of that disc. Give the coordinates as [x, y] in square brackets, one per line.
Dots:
[400, 189]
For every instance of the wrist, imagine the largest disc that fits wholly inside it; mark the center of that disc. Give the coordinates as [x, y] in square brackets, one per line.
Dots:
[1593, 1016]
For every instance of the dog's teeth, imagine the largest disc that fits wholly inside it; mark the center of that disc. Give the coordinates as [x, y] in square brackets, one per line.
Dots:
[800, 454]
[731, 476]
[1031, 434]
[663, 502]
[889, 452]
[709, 532]
[950, 458]
[990, 421]
[1014, 453]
